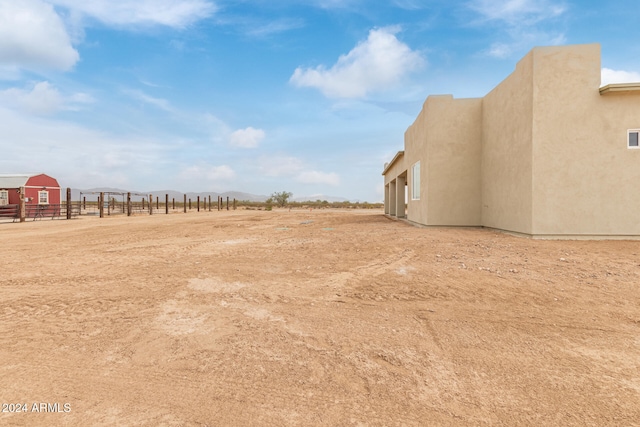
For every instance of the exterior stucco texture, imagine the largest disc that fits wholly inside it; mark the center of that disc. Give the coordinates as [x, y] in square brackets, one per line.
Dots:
[543, 154]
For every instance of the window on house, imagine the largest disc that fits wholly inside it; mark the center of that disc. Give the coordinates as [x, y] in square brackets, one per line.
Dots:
[415, 181]
[43, 197]
[633, 141]
[4, 197]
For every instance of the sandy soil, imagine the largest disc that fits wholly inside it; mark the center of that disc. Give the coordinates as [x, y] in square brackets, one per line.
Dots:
[314, 318]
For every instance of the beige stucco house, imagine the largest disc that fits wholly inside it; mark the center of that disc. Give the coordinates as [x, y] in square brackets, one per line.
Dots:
[547, 153]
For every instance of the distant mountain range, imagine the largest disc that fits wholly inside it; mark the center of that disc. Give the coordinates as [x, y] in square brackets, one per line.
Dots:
[321, 197]
[92, 194]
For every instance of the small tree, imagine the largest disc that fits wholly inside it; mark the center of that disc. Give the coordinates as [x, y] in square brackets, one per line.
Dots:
[281, 198]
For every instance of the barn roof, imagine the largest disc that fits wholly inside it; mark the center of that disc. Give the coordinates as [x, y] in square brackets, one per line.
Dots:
[14, 180]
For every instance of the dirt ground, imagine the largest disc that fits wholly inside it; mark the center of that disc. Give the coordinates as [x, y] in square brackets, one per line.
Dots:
[307, 318]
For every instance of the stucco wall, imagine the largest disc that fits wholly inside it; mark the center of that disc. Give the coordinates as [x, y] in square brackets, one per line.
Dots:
[415, 149]
[446, 140]
[544, 153]
[397, 168]
[506, 152]
[453, 132]
[583, 171]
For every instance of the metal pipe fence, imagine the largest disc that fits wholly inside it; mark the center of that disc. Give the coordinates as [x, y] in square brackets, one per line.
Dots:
[35, 212]
[109, 203]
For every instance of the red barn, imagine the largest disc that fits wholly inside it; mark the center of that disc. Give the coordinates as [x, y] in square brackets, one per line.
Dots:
[42, 193]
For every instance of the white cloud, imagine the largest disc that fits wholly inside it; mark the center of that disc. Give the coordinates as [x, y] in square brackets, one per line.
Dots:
[279, 165]
[610, 76]
[296, 169]
[524, 23]
[260, 29]
[517, 12]
[81, 98]
[43, 99]
[375, 64]
[207, 173]
[501, 50]
[523, 40]
[247, 138]
[50, 146]
[32, 36]
[160, 103]
[171, 13]
[315, 177]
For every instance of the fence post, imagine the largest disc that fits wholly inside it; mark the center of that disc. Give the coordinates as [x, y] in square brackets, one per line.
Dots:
[128, 204]
[22, 208]
[150, 204]
[189, 203]
[209, 202]
[184, 204]
[143, 203]
[166, 204]
[68, 203]
[227, 202]
[157, 203]
[101, 204]
[198, 204]
[84, 203]
[218, 203]
[173, 207]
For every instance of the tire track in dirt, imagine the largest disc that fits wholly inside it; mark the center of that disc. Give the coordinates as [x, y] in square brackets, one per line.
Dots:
[349, 319]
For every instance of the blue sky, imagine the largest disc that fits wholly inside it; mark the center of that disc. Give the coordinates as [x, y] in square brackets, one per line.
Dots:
[260, 96]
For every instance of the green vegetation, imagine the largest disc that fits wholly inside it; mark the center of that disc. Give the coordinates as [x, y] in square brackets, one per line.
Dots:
[268, 205]
[318, 204]
[280, 199]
